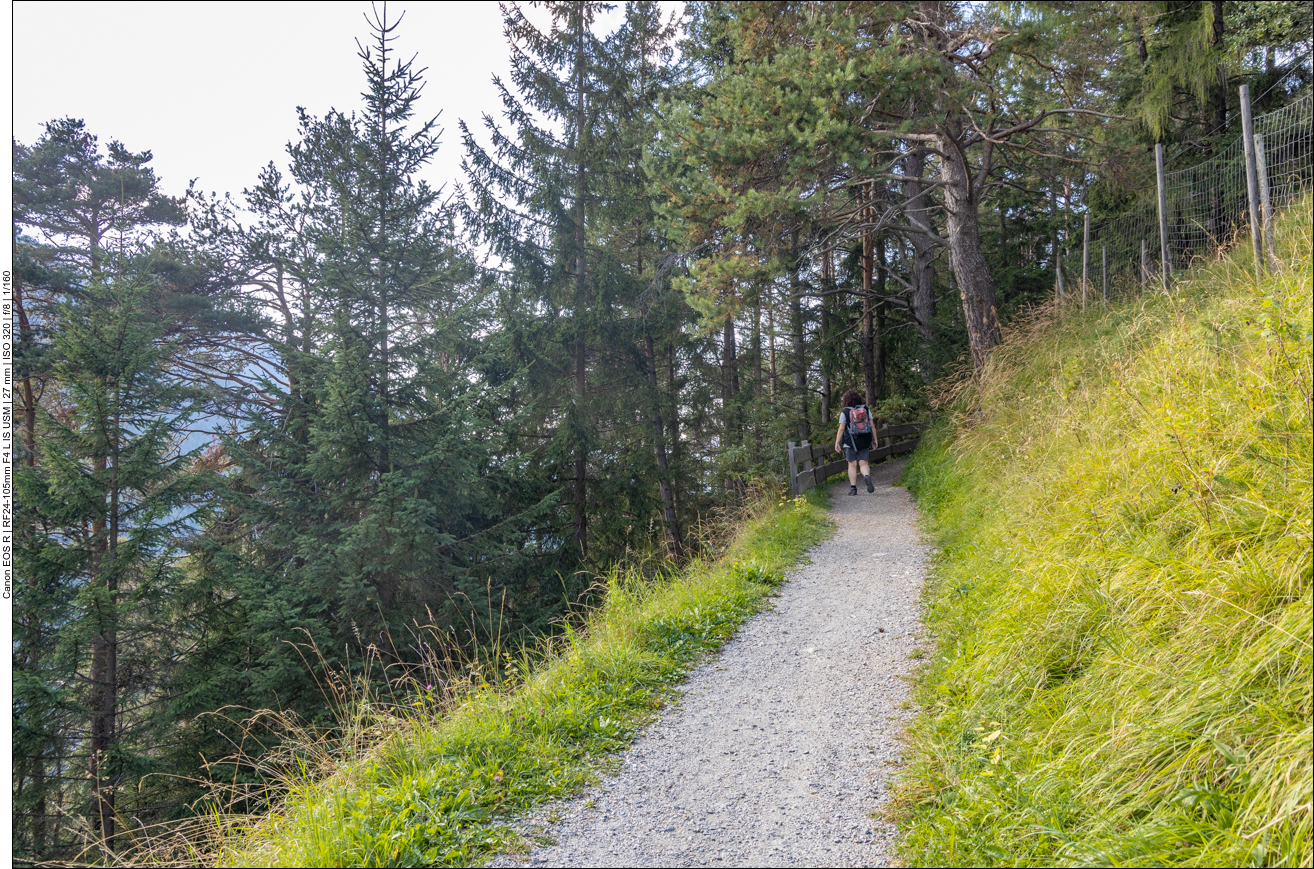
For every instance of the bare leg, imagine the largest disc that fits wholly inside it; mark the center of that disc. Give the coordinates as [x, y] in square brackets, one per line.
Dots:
[866, 475]
[866, 471]
[853, 473]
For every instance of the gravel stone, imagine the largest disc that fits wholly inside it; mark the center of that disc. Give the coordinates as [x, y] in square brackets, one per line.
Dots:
[785, 743]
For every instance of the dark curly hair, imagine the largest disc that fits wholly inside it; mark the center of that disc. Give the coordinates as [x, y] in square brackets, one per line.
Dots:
[851, 399]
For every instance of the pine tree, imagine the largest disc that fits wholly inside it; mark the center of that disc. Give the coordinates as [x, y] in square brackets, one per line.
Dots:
[563, 213]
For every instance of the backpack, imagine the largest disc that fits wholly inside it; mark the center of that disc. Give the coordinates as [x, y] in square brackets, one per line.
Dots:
[859, 422]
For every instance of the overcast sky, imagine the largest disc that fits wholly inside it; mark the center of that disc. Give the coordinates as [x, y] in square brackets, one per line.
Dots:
[211, 89]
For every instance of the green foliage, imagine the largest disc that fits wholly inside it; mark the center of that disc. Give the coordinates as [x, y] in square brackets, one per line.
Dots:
[1122, 595]
[586, 303]
[365, 472]
[437, 793]
[84, 200]
[107, 489]
[1192, 54]
[899, 409]
[104, 507]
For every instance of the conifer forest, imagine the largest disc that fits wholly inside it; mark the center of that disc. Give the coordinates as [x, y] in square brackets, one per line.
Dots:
[330, 422]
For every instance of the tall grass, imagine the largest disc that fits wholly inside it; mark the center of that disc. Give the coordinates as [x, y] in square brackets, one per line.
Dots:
[1122, 594]
[436, 787]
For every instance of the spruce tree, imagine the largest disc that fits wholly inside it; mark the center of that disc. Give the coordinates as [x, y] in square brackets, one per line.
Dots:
[556, 200]
[100, 481]
[104, 514]
[365, 503]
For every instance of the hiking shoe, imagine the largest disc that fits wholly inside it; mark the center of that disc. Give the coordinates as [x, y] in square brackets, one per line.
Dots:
[870, 487]
[853, 490]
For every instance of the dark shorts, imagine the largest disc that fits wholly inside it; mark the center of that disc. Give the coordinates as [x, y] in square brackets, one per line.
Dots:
[853, 455]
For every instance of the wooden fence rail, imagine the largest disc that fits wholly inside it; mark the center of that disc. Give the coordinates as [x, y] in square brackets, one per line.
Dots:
[808, 467]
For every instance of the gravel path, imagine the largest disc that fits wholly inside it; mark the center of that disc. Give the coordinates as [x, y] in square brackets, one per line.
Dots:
[785, 742]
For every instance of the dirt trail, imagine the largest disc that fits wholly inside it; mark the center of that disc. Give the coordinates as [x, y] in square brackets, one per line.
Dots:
[786, 741]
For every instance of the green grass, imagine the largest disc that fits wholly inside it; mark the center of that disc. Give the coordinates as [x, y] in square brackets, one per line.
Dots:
[1122, 593]
[437, 791]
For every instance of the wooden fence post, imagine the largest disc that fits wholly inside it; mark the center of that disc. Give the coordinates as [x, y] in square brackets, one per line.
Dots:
[1265, 200]
[1165, 264]
[1252, 180]
[793, 486]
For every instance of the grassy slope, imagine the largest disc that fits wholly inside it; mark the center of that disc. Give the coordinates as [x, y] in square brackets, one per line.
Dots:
[431, 794]
[1123, 594]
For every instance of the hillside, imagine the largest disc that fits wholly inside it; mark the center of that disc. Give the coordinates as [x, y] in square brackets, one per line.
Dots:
[437, 786]
[1122, 595]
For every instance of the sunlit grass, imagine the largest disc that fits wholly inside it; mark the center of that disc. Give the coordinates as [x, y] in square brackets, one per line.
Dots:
[438, 790]
[1122, 597]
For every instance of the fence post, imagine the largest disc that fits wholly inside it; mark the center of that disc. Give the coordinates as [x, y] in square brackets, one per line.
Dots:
[1104, 273]
[1165, 264]
[1265, 199]
[793, 486]
[1085, 260]
[1252, 180]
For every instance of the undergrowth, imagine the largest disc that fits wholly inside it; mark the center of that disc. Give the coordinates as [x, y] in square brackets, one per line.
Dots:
[438, 788]
[1122, 591]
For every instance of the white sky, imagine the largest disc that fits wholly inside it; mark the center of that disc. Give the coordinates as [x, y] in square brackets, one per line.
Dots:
[211, 89]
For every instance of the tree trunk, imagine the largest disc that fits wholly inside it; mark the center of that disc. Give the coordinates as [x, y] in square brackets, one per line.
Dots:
[730, 409]
[104, 666]
[581, 453]
[923, 270]
[827, 285]
[1217, 219]
[878, 348]
[296, 412]
[796, 324]
[34, 764]
[37, 768]
[673, 398]
[381, 158]
[29, 397]
[673, 432]
[868, 332]
[968, 261]
[1218, 90]
[730, 382]
[757, 370]
[757, 347]
[771, 338]
[673, 536]
[104, 661]
[385, 433]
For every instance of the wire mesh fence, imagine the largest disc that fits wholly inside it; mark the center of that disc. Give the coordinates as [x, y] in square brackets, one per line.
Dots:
[1205, 208]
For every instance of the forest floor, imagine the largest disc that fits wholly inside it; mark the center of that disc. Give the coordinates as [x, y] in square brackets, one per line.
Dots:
[784, 745]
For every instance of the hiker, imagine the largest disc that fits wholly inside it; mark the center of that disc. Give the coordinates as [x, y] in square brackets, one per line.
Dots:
[855, 436]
